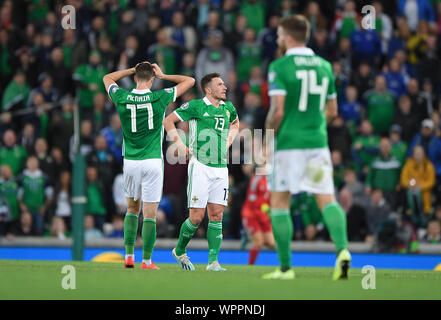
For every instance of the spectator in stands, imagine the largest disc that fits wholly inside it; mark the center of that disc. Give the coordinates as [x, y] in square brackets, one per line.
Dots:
[118, 195]
[380, 104]
[163, 53]
[433, 232]
[27, 138]
[430, 63]
[88, 79]
[384, 173]
[366, 46]
[351, 109]
[35, 193]
[365, 147]
[181, 34]
[355, 187]
[45, 159]
[395, 79]
[5, 216]
[345, 22]
[257, 84]
[255, 12]
[58, 228]
[105, 163]
[100, 116]
[405, 118]
[267, 40]
[341, 80]
[118, 227]
[188, 64]
[339, 168]
[321, 45]
[377, 211]
[12, 154]
[86, 138]
[249, 55]
[60, 128]
[418, 178]
[16, 93]
[62, 198]
[90, 232]
[233, 38]
[385, 27]
[8, 191]
[60, 74]
[416, 11]
[431, 145]
[114, 137]
[398, 147]
[312, 221]
[355, 217]
[228, 15]
[344, 55]
[95, 197]
[363, 78]
[418, 100]
[214, 58]
[26, 226]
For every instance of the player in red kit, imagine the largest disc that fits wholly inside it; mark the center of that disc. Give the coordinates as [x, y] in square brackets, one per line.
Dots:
[255, 220]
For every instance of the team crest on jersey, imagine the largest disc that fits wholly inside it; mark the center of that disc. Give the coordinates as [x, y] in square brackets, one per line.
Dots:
[184, 106]
[114, 89]
[168, 90]
[271, 76]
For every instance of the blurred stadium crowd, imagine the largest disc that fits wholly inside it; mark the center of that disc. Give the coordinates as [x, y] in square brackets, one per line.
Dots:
[385, 143]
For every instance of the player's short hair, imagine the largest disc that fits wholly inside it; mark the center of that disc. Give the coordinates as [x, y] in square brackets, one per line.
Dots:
[144, 71]
[207, 79]
[297, 26]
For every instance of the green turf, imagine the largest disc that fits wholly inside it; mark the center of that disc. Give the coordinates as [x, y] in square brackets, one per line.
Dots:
[42, 280]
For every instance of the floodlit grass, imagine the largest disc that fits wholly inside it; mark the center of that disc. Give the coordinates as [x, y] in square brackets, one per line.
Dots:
[42, 280]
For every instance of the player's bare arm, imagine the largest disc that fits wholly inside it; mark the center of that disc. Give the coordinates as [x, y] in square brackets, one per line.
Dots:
[113, 77]
[232, 132]
[331, 110]
[169, 125]
[275, 114]
[183, 82]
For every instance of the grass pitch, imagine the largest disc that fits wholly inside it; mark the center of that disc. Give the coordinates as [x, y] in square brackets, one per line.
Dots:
[43, 279]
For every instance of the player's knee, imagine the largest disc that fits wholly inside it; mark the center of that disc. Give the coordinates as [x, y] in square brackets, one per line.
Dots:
[196, 217]
[133, 209]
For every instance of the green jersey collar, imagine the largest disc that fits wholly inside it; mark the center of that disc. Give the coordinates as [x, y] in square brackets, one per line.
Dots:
[303, 51]
[208, 102]
[143, 91]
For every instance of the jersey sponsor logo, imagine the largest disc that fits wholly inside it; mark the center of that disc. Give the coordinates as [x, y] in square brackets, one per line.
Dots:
[184, 106]
[168, 90]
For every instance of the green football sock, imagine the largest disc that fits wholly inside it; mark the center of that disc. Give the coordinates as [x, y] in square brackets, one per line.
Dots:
[283, 230]
[214, 237]
[188, 230]
[130, 230]
[335, 220]
[148, 237]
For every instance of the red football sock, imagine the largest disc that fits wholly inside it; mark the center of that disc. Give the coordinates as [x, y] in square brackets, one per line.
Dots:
[253, 255]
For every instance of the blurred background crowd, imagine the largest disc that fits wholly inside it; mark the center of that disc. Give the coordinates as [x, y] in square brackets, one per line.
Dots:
[385, 143]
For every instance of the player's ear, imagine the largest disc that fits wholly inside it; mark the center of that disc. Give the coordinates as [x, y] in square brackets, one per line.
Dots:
[134, 78]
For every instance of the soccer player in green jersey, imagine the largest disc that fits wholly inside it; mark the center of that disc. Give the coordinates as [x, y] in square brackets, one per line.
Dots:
[303, 100]
[213, 126]
[142, 112]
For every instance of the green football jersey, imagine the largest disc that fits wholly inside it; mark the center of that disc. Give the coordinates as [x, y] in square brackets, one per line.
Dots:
[307, 81]
[208, 129]
[142, 113]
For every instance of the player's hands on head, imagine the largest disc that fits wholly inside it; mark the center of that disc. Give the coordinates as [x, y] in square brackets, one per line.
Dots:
[158, 72]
